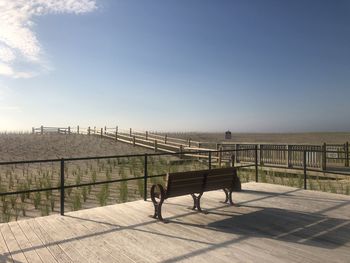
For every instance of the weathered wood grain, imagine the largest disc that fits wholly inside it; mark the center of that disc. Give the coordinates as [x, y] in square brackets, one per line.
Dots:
[272, 224]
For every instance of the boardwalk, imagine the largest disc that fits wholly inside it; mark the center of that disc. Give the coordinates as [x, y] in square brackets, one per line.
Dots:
[272, 224]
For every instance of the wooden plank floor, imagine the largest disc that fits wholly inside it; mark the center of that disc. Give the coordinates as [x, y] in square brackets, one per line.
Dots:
[272, 224]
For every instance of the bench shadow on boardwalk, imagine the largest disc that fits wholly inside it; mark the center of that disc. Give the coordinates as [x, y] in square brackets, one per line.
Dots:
[285, 221]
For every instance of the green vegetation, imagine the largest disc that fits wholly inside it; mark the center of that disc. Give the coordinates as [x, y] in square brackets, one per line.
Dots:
[76, 202]
[103, 195]
[47, 175]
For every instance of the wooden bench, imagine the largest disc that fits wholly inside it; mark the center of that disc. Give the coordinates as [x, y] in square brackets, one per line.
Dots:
[195, 183]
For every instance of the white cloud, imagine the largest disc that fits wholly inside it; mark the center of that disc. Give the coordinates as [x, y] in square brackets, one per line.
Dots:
[6, 54]
[7, 70]
[18, 41]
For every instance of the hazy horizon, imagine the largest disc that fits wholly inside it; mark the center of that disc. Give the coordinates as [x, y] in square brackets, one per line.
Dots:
[204, 66]
[126, 129]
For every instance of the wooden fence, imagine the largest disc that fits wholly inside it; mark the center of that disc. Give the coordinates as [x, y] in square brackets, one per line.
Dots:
[283, 155]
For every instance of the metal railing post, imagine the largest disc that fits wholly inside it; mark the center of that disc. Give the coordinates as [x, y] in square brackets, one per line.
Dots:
[220, 156]
[305, 176]
[256, 164]
[209, 160]
[324, 157]
[145, 176]
[62, 188]
[347, 154]
[233, 160]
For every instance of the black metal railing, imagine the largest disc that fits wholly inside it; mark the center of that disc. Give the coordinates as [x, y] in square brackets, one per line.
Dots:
[214, 158]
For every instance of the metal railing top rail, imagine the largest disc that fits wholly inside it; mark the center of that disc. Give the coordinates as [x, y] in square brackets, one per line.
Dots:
[281, 144]
[151, 154]
[114, 156]
[94, 183]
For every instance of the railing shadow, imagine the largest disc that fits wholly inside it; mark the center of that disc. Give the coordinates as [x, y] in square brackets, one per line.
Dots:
[277, 224]
[312, 229]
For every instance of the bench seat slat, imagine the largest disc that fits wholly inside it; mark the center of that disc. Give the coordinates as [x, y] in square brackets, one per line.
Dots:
[216, 187]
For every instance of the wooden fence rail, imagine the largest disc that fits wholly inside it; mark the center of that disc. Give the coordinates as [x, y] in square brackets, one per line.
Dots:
[283, 155]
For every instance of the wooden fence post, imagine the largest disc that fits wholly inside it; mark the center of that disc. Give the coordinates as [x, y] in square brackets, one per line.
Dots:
[42, 129]
[130, 132]
[68, 129]
[146, 135]
[78, 129]
[134, 141]
[155, 145]
[181, 150]
[101, 132]
[189, 142]
[89, 130]
[165, 138]
[105, 129]
[116, 133]
[347, 154]
[324, 156]
[94, 129]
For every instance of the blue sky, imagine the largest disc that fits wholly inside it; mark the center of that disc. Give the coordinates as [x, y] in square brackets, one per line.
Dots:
[247, 66]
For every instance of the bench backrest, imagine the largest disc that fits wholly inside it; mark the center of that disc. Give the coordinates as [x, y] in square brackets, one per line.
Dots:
[220, 178]
[200, 181]
[185, 183]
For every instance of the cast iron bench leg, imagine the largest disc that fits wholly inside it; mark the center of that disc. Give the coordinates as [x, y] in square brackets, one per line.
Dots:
[158, 205]
[197, 202]
[228, 198]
